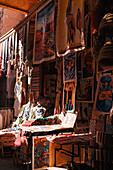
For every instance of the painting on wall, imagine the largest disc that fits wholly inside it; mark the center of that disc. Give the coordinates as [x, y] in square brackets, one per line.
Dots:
[88, 64]
[69, 96]
[85, 90]
[44, 33]
[83, 114]
[70, 67]
[69, 28]
[40, 152]
[104, 94]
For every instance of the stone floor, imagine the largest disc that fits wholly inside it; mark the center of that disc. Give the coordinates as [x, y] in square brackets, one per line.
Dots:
[7, 164]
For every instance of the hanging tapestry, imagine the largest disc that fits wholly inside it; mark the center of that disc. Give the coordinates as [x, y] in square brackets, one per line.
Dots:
[85, 89]
[35, 82]
[69, 96]
[20, 48]
[40, 153]
[104, 94]
[44, 34]
[70, 67]
[83, 114]
[69, 30]
[88, 64]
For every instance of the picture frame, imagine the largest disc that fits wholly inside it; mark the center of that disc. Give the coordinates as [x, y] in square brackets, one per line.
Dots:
[103, 95]
[84, 114]
[69, 67]
[40, 152]
[69, 96]
[88, 64]
[44, 33]
[85, 90]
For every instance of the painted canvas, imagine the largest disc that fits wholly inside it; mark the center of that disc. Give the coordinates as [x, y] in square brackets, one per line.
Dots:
[70, 67]
[40, 153]
[85, 89]
[69, 96]
[104, 94]
[44, 33]
[69, 30]
[88, 64]
[83, 115]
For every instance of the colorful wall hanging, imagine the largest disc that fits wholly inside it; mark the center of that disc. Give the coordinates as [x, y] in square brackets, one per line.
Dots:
[70, 67]
[88, 64]
[35, 82]
[85, 90]
[69, 96]
[44, 33]
[104, 94]
[69, 30]
[70, 79]
[40, 157]
[84, 114]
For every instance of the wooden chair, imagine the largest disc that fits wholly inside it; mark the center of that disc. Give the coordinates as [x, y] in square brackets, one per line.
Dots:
[7, 141]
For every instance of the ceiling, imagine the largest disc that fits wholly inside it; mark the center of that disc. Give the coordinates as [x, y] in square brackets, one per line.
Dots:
[23, 6]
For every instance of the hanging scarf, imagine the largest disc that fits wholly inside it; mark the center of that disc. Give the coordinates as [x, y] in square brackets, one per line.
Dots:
[6, 54]
[9, 62]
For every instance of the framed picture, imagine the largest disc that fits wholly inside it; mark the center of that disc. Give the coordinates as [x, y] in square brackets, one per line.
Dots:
[88, 64]
[104, 94]
[40, 153]
[83, 115]
[85, 90]
[70, 67]
[44, 33]
[69, 96]
[70, 26]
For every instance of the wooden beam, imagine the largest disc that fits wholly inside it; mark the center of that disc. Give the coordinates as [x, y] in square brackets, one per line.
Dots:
[13, 8]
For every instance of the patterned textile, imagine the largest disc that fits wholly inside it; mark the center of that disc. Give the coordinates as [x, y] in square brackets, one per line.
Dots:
[44, 34]
[29, 112]
[37, 112]
[35, 82]
[40, 153]
[69, 30]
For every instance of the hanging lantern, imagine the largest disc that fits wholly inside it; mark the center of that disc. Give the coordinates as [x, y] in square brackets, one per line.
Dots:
[106, 26]
[105, 57]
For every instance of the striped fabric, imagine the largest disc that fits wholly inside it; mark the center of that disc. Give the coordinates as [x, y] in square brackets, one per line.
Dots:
[35, 82]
